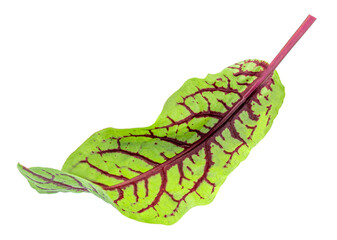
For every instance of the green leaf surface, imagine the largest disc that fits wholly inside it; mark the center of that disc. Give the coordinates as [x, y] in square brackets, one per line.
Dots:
[48, 180]
[157, 173]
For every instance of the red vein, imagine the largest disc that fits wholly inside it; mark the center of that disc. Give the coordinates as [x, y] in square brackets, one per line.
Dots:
[268, 109]
[133, 154]
[211, 114]
[105, 173]
[174, 141]
[160, 193]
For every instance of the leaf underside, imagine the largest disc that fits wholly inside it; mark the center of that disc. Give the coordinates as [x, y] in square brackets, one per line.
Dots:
[157, 173]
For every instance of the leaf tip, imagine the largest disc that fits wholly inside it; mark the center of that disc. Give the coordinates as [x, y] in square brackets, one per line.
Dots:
[21, 168]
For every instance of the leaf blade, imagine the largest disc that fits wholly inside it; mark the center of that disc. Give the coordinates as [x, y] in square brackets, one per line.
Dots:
[211, 142]
[228, 143]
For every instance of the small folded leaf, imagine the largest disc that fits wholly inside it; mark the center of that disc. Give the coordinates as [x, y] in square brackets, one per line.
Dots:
[48, 180]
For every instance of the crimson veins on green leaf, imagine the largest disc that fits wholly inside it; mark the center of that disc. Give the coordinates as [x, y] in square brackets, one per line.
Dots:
[156, 174]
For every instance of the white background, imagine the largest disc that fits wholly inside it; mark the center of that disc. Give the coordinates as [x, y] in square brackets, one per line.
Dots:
[70, 68]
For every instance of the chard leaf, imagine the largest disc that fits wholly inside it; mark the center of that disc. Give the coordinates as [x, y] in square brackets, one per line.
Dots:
[157, 173]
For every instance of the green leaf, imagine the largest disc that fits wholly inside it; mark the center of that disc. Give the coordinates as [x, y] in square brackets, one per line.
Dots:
[156, 174]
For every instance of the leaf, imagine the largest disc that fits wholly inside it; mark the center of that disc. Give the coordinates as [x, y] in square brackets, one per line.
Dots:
[157, 173]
